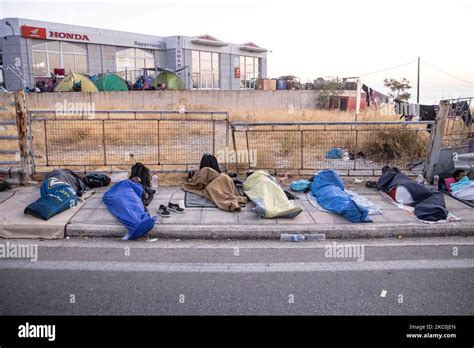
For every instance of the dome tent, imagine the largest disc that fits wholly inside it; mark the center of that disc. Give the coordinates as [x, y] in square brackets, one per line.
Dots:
[171, 80]
[110, 82]
[74, 82]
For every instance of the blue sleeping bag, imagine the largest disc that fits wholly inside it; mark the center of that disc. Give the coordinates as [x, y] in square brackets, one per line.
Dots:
[56, 196]
[328, 188]
[124, 201]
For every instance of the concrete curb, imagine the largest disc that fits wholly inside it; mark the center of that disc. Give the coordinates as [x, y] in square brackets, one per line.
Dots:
[334, 231]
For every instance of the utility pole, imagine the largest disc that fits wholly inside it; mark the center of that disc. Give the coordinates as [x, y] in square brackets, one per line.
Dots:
[418, 84]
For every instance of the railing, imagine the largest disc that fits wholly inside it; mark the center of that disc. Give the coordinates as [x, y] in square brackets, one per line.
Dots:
[303, 147]
[168, 141]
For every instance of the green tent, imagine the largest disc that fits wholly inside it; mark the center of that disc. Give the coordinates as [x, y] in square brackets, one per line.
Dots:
[171, 80]
[110, 82]
[74, 82]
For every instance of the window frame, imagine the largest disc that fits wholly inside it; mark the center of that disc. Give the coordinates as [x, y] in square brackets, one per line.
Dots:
[245, 82]
[214, 68]
[61, 53]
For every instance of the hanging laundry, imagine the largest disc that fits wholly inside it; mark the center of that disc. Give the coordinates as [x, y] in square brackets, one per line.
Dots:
[373, 96]
[461, 109]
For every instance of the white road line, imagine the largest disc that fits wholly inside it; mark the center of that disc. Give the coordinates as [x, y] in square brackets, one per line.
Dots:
[97, 266]
[243, 244]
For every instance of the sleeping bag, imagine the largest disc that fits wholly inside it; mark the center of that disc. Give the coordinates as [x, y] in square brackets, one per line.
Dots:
[429, 205]
[69, 177]
[216, 187]
[124, 201]
[328, 189]
[269, 198]
[56, 196]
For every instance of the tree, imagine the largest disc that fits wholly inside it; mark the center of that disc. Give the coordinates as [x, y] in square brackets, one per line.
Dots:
[398, 89]
[328, 89]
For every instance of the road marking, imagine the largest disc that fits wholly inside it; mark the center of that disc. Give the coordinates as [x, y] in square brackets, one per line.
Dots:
[243, 244]
[236, 267]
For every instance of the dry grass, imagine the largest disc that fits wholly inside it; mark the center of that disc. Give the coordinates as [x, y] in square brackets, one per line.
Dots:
[278, 115]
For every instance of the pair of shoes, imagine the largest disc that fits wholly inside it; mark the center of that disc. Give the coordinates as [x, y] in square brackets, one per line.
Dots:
[163, 211]
[370, 184]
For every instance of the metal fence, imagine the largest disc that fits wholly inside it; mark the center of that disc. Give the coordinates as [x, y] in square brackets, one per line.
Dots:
[171, 141]
[167, 141]
[303, 147]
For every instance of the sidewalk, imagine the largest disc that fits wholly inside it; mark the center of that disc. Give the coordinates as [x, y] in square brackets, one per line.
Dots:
[93, 220]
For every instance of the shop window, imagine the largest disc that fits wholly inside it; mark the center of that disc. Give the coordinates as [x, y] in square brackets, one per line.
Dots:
[47, 56]
[205, 70]
[250, 71]
[131, 62]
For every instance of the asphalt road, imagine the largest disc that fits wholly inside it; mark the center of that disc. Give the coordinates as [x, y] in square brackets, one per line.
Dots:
[427, 276]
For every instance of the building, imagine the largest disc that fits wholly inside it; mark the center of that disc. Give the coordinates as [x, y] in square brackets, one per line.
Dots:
[31, 50]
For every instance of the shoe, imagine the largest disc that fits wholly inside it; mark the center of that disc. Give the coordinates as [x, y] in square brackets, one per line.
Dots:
[176, 208]
[370, 184]
[163, 211]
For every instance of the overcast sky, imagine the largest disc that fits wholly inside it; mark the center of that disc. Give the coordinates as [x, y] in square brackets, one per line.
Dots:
[308, 39]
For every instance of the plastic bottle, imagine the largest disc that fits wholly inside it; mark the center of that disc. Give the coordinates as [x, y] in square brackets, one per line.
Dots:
[292, 237]
[435, 182]
[315, 236]
[154, 181]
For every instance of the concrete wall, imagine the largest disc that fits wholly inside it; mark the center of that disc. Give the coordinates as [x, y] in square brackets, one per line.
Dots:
[233, 101]
[18, 71]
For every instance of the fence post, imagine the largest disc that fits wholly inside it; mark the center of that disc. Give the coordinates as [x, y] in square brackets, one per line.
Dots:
[22, 128]
[436, 140]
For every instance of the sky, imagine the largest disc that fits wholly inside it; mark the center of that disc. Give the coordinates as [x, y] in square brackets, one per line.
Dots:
[308, 39]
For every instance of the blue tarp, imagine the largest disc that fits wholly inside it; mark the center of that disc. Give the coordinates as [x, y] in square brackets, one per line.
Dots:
[56, 196]
[328, 188]
[300, 185]
[124, 201]
[334, 153]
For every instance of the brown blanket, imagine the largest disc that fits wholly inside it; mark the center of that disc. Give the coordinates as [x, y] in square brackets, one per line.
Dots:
[217, 187]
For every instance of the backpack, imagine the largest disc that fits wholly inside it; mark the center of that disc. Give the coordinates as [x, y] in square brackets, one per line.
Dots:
[96, 180]
[210, 161]
[300, 185]
[144, 174]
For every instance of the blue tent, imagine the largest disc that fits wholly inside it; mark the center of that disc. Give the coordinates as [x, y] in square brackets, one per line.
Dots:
[124, 201]
[328, 188]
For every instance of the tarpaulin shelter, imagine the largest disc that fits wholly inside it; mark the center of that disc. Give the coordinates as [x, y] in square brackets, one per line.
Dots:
[75, 82]
[110, 82]
[171, 80]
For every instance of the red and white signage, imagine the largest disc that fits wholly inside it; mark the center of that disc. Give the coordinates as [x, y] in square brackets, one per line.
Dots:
[42, 33]
[33, 32]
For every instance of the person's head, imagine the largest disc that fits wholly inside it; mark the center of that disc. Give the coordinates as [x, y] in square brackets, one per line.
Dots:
[163, 86]
[459, 174]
